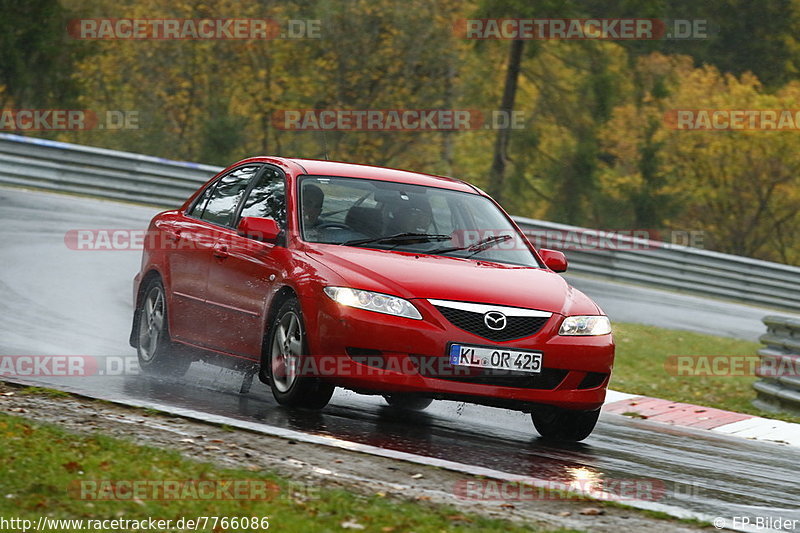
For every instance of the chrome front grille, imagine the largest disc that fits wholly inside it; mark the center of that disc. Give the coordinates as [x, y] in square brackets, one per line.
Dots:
[471, 317]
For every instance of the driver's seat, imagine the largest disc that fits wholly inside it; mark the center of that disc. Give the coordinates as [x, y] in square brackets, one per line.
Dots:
[366, 220]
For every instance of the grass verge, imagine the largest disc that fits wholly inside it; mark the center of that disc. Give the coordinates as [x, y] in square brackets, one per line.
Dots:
[46, 470]
[642, 353]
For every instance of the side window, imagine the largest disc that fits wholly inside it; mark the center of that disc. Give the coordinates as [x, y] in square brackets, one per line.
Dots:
[267, 198]
[225, 196]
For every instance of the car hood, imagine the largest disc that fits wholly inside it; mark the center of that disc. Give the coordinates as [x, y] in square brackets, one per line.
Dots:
[448, 278]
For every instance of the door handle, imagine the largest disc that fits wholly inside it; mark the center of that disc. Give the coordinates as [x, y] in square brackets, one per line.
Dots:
[221, 251]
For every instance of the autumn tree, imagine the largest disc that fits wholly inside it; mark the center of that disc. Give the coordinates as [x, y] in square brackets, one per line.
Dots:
[37, 56]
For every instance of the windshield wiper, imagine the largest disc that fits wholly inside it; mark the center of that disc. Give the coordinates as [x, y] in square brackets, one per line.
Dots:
[479, 246]
[399, 238]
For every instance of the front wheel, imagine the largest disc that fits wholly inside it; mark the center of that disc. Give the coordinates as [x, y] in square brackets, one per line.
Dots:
[287, 348]
[154, 347]
[558, 424]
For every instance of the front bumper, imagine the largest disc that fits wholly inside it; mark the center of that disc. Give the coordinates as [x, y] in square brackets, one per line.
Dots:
[381, 354]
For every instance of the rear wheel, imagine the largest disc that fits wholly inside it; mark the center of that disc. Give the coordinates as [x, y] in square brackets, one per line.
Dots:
[154, 347]
[407, 402]
[287, 348]
[558, 424]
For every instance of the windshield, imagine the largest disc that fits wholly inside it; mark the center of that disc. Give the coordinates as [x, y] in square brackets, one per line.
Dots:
[412, 218]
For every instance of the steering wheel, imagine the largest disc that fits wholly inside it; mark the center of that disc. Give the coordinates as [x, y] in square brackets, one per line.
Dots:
[331, 225]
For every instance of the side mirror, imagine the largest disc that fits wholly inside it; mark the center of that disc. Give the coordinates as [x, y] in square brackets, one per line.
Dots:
[260, 229]
[554, 260]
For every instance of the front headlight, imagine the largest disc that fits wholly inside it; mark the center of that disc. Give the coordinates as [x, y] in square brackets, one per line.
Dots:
[585, 325]
[373, 301]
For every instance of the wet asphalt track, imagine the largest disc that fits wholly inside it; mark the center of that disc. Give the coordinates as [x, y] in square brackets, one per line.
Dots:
[58, 301]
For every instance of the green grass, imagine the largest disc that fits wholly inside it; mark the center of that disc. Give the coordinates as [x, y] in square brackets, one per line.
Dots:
[39, 464]
[52, 393]
[639, 368]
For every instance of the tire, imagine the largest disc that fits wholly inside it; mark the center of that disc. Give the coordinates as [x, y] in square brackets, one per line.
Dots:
[286, 348]
[154, 348]
[407, 402]
[557, 424]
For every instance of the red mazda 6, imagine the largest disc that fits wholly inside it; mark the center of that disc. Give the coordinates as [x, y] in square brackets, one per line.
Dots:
[319, 274]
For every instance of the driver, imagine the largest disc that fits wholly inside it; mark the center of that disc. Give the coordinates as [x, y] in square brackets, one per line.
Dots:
[412, 216]
[313, 197]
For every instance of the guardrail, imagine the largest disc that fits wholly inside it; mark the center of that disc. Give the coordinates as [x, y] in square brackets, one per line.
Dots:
[675, 267]
[98, 172]
[779, 388]
[115, 175]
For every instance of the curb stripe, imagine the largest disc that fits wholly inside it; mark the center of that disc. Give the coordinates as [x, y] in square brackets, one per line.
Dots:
[676, 413]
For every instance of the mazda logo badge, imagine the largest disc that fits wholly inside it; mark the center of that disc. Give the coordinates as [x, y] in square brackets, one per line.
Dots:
[495, 320]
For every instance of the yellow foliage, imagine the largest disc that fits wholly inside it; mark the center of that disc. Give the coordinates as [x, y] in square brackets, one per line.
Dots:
[594, 116]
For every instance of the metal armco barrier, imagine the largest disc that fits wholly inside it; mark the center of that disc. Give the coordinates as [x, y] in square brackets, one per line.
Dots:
[675, 267]
[98, 172]
[110, 174]
[780, 391]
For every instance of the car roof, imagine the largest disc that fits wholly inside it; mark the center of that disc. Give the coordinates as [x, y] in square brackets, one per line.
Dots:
[317, 167]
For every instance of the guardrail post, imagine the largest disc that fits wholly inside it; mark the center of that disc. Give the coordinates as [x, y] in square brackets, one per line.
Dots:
[779, 366]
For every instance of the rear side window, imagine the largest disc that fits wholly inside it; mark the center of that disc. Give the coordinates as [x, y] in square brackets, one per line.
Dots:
[219, 202]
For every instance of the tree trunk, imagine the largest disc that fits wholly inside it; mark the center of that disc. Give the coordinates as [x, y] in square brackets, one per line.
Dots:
[497, 172]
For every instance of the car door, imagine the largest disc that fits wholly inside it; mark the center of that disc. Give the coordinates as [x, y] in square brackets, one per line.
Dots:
[242, 271]
[191, 238]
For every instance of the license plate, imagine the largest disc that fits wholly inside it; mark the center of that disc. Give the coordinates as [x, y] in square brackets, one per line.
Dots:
[496, 358]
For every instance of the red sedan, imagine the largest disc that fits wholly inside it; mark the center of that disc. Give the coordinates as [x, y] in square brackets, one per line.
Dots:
[318, 274]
